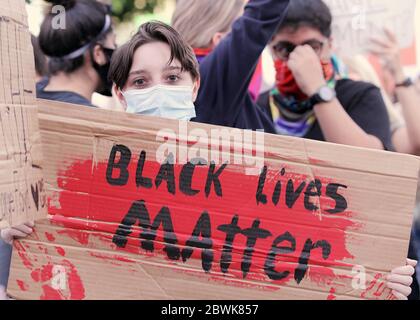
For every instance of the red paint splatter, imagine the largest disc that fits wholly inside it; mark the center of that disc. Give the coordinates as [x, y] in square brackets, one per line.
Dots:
[77, 290]
[87, 195]
[51, 294]
[60, 251]
[111, 257]
[22, 285]
[371, 286]
[44, 249]
[82, 238]
[22, 254]
[50, 237]
[42, 274]
[332, 294]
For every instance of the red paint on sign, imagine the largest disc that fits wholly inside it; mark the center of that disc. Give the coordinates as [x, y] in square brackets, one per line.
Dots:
[50, 237]
[44, 275]
[22, 285]
[60, 251]
[87, 195]
[332, 295]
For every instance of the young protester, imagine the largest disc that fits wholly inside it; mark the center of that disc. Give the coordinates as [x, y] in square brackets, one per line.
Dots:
[79, 54]
[227, 71]
[309, 100]
[156, 73]
[157, 64]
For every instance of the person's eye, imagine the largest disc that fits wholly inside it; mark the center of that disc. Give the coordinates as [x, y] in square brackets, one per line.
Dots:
[173, 78]
[139, 83]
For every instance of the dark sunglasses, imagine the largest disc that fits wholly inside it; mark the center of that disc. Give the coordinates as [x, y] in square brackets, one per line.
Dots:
[283, 49]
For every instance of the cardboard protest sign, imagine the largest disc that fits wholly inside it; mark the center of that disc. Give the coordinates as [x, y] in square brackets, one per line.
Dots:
[147, 208]
[356, 21]
[22, 195]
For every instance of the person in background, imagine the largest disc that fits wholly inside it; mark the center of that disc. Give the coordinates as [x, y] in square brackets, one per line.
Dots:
[309, 99]
[3, 294]
[233, 55]
[210, 26]
[407, 138]
[41, 62]
[79, 54]
[5, 256]
[360, 69]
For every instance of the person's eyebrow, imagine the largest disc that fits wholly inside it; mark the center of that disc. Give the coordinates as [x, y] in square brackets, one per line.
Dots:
[136, 72]
[172, 68]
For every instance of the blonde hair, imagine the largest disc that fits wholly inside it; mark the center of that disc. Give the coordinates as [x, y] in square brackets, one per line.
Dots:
[360, 65]
[199, 20]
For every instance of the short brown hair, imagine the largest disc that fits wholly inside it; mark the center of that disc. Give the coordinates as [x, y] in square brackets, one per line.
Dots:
[155, 31]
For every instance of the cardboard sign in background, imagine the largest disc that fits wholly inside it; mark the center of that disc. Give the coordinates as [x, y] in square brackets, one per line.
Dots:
[22, 195]
[356, 21]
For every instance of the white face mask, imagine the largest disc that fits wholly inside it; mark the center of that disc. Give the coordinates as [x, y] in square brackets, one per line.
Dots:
[171, 102]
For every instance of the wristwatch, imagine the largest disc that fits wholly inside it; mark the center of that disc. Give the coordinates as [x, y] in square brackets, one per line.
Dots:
[405, 84]
[324, 95]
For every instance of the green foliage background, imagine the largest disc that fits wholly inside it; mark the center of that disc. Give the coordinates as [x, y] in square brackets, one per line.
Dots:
[126, 9]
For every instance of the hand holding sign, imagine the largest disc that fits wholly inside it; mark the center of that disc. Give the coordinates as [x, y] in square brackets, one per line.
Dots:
[401, 279]
[22, 231]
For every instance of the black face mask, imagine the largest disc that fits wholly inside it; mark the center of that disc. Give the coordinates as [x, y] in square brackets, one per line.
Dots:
[105, 87]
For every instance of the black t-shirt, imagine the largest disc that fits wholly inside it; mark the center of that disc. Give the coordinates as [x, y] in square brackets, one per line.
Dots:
[62, 96]
[364, 104]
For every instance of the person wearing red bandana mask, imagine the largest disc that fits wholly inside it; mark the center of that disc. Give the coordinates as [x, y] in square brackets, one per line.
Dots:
[311, 99]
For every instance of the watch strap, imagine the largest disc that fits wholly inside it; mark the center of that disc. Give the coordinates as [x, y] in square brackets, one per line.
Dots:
[316, 99]
[405, 84]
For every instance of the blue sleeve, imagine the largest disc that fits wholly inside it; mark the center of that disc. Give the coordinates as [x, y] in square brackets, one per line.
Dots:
[5, 257]
[227, 72]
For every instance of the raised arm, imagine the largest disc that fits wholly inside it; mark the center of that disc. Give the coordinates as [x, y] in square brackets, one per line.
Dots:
[227, 71]
[406, 139]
